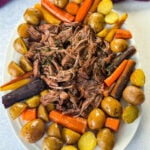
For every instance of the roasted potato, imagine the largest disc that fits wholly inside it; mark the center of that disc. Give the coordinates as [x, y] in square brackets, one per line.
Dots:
[20, 46]
[42, 113]
[96, 119]
[68, 147]
[33, 130]
[25, 64]
[51, 143]
[111, 106]
[23, 30]
[130, 113]
[54, 130]
[96, 21]
[33, 16]
[70, 136]
[105, 139]
[118, 45]
[137, 78]
[33, 102]
[133, 95]
[14, 69]
[61, 3]
[87, 141]
[16, 109]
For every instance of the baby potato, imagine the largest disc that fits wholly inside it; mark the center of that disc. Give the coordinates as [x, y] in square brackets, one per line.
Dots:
[105, 6]
[105, 139]
[87, 141]
[51, 143]
[68, 147]
[25, 64]
[111, 17]
[23, 30]
[20, 46]
[42, 113]
[137, 78]
[33, 16]
[96, 21]
[118, 45]
[33, 130]
[111, 106]
[133, 95]
[70, 136]
[130, 113]
[54, 130]
[96, 119]
[61, 3]
[14, 69]
[33, 102]
[16, 109]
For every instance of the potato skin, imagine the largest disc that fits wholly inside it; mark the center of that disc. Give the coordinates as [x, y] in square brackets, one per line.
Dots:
[96, 119]
[111, 106]
[133, 95]
[105, 139]
[33, 130]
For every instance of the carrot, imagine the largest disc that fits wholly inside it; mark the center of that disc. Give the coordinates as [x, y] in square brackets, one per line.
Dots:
[15, 85]
[123, 79]
[107, 90]
[26, 75]
[112, 123]
[29, 114]
[72, 8]
[123, 34]
[75, 123]
[94, 6]
[83, 10]
[58, 12]
[115, 75]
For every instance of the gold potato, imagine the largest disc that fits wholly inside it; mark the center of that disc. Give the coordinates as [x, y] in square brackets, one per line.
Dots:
[137, 78]
[51, 143]
[105, 139]
[133, 95]
[111, 106]
[96, 119]
[33, 102]
[23, 30]
[33, 130]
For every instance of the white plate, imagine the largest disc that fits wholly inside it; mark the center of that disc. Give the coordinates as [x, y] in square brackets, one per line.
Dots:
[123, 136]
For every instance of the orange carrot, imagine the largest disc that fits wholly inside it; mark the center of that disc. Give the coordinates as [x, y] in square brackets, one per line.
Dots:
[75, 123]
[72, 8]
[123, 34]
[112, 123]
[29, 114]
[107, 90]
[84, 8]
[56, 11]
[115, 75]
[24, 76]
[94, 5]
[123, 79]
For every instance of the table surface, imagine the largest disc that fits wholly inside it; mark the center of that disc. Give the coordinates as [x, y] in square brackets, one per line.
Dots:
[139, 13]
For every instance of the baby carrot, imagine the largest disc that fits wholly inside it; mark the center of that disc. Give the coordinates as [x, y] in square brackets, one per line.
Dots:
[115, 75]
[123, 79]
[112, 123]
[123, 34]
[72, 8]
[58, 12]
[29, 114]
[84, 8]
[75, 123]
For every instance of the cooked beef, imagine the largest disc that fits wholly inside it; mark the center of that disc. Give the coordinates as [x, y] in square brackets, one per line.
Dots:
[73, 62]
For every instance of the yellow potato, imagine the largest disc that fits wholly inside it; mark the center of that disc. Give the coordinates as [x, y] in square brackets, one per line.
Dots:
[105, 6]
[111, 17]
[138, 78]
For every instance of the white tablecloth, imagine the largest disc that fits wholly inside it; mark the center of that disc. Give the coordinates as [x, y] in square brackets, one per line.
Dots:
[139, 14]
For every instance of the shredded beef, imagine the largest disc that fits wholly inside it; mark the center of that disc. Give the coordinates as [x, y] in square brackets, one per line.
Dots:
[72, 60]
